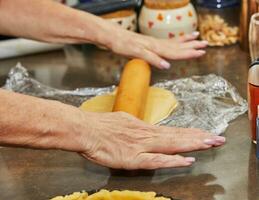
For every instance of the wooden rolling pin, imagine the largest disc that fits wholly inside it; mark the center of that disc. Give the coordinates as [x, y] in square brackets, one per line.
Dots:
[133, 89]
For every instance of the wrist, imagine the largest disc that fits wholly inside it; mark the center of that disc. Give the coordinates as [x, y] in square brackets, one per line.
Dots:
[44, 124]
[72, 129]
[58, 126]
[99, 31]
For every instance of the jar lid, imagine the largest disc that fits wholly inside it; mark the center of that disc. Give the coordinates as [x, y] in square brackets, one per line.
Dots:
[256, 62]
[119, 14]
[166, 4]
[218, 3]
[253, 73]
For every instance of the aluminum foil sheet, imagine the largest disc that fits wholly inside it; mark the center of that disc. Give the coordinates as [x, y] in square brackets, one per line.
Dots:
[207, 102]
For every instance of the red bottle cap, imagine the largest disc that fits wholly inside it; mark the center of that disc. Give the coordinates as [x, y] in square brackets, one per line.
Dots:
[258, 111]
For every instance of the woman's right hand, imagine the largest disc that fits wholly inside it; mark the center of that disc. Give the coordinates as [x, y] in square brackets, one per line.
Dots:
[118, 140]
[115, 140]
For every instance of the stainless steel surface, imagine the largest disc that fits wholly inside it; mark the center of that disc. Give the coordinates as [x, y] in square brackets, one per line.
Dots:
[227, 173]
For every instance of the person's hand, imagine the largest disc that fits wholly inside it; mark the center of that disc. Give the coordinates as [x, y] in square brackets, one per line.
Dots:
[120, 141]
[157, 51]
[50, 21]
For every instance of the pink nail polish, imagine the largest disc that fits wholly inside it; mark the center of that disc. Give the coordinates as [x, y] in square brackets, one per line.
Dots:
[190, 159]
[164, 64]
[205, 42]
[209, 141]
[202, 52]
[196, 33]
[220, 139]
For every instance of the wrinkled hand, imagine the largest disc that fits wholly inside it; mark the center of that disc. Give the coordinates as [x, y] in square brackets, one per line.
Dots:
[120, 141]
[156, 51]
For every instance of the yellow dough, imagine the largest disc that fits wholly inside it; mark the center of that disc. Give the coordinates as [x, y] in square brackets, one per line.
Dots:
[160, 104]
[103, 103]
[112, 195]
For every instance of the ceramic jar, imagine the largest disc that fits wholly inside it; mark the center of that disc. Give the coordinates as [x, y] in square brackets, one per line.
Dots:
[219, 21]
[172, 22]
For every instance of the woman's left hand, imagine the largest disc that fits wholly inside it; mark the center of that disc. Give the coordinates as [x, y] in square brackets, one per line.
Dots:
[157, 51]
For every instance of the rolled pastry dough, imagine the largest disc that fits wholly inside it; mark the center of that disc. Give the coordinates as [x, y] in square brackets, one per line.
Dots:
[160, 104]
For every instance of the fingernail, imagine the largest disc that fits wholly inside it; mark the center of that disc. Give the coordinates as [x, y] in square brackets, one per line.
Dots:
[190, 159]
[220, 139]
[196, 33]
[205, 42]
[202, 52]
[164, 64]
[209, 141]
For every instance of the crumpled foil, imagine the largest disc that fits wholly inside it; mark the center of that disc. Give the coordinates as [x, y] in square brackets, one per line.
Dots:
[206, 102]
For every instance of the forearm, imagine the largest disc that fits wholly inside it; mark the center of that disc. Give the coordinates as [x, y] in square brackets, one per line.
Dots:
[51, 21]
[37, 123]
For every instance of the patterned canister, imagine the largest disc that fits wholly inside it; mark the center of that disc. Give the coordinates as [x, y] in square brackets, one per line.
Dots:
[167, 18]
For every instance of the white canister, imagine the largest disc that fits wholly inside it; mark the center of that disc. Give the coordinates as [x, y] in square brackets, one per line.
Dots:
[168, 23]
